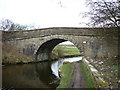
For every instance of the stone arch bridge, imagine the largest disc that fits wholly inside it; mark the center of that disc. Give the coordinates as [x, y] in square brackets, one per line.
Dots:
[39, 43]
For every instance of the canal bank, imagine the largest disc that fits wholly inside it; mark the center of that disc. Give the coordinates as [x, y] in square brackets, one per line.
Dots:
[11, 56]
[107, 69]
[78, 76]
[67, 71]
[37, 75]
[71, 73]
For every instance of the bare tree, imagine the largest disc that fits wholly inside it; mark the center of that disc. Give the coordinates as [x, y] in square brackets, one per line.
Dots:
[103, 13]
[9, 25]
[5, 24]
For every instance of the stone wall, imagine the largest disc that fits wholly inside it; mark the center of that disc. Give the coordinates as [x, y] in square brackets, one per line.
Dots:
[101, 47]
[99, 42]
[11, 35]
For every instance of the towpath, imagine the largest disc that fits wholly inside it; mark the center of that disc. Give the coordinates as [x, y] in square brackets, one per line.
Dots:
[78, 80]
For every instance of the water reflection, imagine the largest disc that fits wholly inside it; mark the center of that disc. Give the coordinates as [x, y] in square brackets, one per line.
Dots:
[29, 76]
[57, 64]
[40, 75]
[55, 67]
[45, 74]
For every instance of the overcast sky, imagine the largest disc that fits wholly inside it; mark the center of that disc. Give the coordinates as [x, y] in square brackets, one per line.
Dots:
[45, 13]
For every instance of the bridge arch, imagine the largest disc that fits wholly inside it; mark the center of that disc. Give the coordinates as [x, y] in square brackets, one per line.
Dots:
[44, 51]
[98, 40]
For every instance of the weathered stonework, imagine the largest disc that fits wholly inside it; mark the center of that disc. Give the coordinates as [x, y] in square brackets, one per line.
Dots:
[39, 43]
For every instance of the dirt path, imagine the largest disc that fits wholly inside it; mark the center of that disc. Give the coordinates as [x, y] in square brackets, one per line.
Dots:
[78, 81]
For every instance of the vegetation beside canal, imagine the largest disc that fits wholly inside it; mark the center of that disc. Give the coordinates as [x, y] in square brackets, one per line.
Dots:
[109, 68]
[88, 75]
[11, 56]
[66, 75]
[64, 51]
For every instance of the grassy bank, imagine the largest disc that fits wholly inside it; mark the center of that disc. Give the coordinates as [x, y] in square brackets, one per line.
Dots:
[64, 51]
[109, 68]
[87, 74]
[66, 75]
[11, 56]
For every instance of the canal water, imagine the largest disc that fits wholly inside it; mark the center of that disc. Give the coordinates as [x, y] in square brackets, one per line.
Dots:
[37, 75]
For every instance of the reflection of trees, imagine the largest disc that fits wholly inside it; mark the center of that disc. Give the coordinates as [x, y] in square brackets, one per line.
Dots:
[28, 76]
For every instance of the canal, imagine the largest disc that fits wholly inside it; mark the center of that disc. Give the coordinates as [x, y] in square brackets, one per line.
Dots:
[37, 75]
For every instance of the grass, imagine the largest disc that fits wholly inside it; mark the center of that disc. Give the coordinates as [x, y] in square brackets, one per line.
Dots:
[66, 72]
[66, 69]
[89, 78]
[11, 56]
[63, 51]
[110, 70]
[70, 51]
